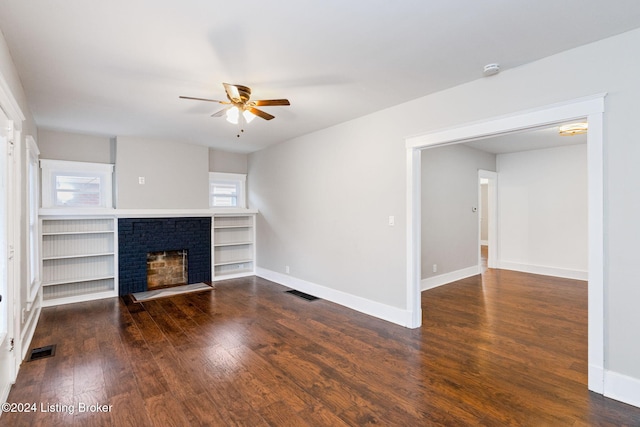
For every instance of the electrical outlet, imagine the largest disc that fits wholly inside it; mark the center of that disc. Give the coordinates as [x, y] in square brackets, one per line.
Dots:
[286, 269]
[141, 180]
[392, 220]
[24, 315]
[435, 268]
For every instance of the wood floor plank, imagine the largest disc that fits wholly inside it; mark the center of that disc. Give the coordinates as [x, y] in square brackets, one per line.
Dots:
[500, 349]
[128, 410]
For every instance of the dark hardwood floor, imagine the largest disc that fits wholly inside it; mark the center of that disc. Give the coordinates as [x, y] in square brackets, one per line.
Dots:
[505, 349]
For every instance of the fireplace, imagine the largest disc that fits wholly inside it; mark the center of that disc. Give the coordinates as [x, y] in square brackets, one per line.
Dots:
[166, 269]
[138, 237]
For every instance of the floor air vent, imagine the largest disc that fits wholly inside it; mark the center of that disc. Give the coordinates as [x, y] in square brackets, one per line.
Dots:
[302, 295]
[42, 352]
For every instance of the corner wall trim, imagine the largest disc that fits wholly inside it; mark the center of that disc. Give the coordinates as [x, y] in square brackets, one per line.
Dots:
[596, 379]
[391, 314]
[622, 388]
[443, 279]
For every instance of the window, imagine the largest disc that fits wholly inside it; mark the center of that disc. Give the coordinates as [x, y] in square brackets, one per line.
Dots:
[227, 190]
[76, 184]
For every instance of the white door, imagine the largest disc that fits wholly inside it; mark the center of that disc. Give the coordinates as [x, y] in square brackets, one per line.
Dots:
[7, 354]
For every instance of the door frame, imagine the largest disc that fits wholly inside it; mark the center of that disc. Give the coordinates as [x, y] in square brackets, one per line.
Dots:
[492, 220]
[7, 199]
[12, 110]
[590, 108]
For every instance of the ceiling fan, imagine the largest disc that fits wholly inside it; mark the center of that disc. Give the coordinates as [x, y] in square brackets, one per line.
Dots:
[239, 106]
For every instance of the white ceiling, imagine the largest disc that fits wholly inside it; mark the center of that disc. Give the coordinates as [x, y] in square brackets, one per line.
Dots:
[117, 67]
[534, 139]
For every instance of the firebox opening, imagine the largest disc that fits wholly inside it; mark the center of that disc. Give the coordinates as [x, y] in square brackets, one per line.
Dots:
[166, 269]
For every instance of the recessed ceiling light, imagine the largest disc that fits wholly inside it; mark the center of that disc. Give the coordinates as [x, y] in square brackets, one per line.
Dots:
[491, 69]
[573, 129]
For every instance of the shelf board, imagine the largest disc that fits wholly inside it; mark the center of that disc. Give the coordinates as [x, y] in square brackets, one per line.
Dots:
[78, 280]
[234, 274]
[89, 296]
[232, 226]
[239, 261]
[48, 258]
[217, 245]
[65, 233]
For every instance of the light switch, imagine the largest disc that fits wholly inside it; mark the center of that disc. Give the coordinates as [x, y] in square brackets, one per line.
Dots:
[141, 180]
[392, 220]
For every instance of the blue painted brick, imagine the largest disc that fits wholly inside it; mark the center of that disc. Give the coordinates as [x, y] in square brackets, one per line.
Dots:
[138, 236]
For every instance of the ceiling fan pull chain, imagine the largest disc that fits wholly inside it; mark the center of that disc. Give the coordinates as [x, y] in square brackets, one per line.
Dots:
[240, 120]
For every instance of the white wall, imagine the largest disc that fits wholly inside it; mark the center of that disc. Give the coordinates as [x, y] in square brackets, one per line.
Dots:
[326, 197]
[58, 145]
[225, 161]
[176, 175]
[324, 203]
[449, 224]
[543, 212]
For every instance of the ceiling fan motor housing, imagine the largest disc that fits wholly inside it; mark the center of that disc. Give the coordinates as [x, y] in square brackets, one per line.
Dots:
[244, 92]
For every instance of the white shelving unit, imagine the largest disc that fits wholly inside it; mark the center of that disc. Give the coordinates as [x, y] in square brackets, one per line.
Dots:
[233, 241]
[79, 259]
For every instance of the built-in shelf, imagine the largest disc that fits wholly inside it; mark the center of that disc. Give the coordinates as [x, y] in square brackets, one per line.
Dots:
[77, 280]
[79, 261]
[233, 241]
[67, 233]
[236, 261]
[232, 244]
[78, 256]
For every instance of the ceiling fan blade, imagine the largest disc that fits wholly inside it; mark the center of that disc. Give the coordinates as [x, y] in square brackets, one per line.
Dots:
[220, 113]
[267, 102]
[260, 113]
[203, 99]
[232, 92]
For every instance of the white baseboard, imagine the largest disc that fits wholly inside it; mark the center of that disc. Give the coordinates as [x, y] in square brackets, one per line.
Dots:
[443, 279]
[29, 328]
[544, 270]
[622, 388]
[4, 394]
[391, 314]
[596, 379]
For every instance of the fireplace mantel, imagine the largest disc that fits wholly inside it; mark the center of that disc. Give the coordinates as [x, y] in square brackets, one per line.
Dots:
[145, 213]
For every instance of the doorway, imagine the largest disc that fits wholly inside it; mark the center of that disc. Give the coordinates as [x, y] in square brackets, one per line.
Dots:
[488, 227]
[7, 297]
[591, 109]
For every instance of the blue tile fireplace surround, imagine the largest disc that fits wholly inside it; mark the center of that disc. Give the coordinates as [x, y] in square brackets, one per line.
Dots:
[139, 236]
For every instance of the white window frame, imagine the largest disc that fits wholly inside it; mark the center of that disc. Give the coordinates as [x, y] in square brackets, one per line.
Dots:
[33, 243]
[237, 179]
[53, 168]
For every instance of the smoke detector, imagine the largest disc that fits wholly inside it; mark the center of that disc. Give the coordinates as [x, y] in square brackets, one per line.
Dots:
[491, 69]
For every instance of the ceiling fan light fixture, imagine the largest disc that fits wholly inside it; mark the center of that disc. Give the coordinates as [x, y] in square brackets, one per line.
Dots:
[573, 129]
[233, 114]
[239, 103]
[248, 116]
